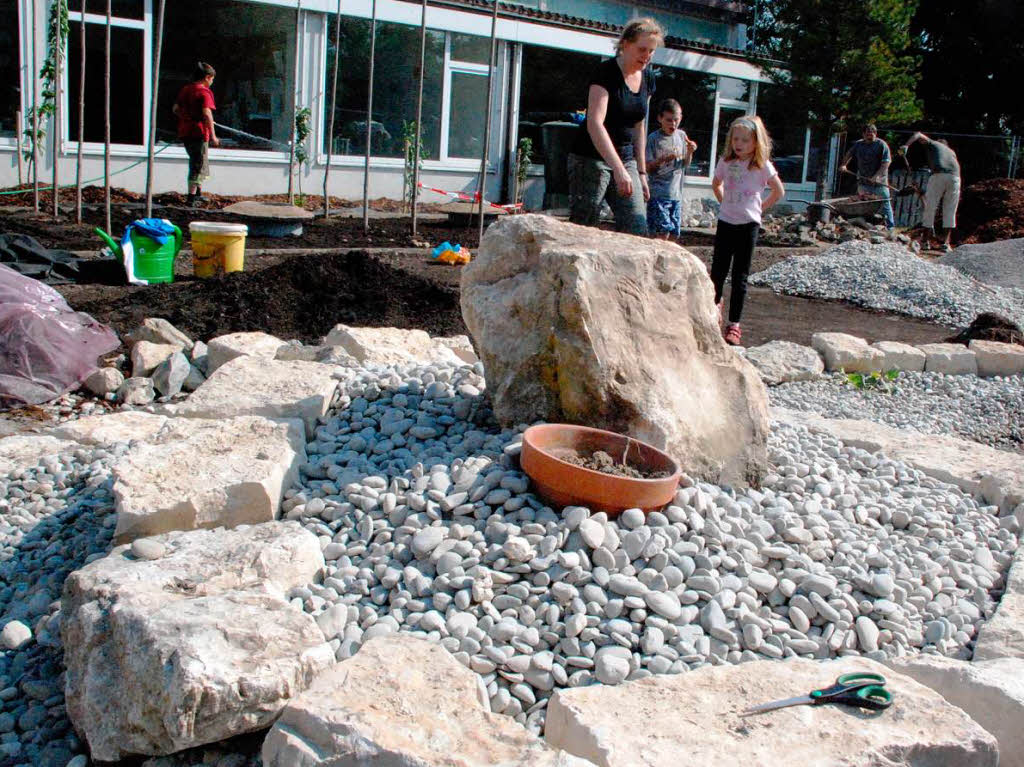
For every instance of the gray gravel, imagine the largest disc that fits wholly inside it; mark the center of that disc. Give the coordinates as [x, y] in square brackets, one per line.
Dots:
[887, 277]
[985, 410]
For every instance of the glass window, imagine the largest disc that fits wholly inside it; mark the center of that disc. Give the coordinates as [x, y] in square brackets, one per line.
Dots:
[695, 93]
[467, 115]
[126, 86]
[817, 156]
[731, 88]
[725, 117]
[252, 47]
[10, 80]
[788, 132]
[471, 48]
[395, 88]
[122, 9]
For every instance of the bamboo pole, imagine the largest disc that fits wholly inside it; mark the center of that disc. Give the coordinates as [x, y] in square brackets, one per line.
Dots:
[295, 105]
[152, 107]
[419, 119]
[34, 74]
[334, 102]
[369, 121]
[17, 140]
[81, 118]
[487, 122]
[106, 121]
[58, 57]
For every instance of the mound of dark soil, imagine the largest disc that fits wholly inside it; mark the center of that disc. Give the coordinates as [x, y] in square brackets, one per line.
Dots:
[991, 210]
[302, 297]
[989, 326]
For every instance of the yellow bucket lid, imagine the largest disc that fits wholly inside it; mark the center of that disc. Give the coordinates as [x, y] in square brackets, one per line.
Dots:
[214, 227]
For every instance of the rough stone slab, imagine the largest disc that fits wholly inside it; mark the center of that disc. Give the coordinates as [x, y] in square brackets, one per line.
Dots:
[328, 355]
[198, 473]
[158, 331]
[845, 352]
[462, 347]
[258, 209]
[998, 359]
[401, 702]
[655, 720]
[251, 385]
[119, 426]
[191, 647]
[991, 693]
[996, 475]
[782, 361]
[225, 348]
[26, 450]
[1002, 635]
[580, 325]
[390, 346]
[900, 356]
[952, 359]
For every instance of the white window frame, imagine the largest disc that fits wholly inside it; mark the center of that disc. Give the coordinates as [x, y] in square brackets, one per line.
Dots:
[452, 68]
[11, 143]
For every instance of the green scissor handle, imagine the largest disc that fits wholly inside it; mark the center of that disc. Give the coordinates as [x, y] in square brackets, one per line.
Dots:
[863, 690]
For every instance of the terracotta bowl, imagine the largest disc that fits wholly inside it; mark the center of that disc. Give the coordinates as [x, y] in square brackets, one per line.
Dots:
[561, 483]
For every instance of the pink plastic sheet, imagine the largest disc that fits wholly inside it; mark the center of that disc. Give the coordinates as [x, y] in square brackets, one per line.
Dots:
[46, 348]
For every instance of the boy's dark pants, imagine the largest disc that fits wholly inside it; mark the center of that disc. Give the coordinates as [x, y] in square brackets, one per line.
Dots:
[734, 245]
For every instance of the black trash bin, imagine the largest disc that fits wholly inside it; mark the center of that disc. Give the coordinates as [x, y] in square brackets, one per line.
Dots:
[558, 139]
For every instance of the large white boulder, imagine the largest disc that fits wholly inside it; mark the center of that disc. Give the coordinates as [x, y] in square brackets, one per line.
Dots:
[1002, 635]
[225, 348]
[991, 693]
[998, 359]
[782, 361]
[654, 720]
[845, 352]
[401, 702]
[900, 356]
[193, 646]
[608, 330]
[106, 429]
[390, 346]
[198, 473]
[250, 385]
[952, 359]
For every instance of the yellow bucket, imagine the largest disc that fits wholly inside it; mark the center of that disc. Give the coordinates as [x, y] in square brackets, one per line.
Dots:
[217, 248]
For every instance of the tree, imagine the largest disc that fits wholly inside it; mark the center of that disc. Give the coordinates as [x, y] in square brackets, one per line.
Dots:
[842, 63]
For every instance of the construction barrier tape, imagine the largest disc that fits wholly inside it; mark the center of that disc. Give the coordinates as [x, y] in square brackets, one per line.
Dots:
[475, 197]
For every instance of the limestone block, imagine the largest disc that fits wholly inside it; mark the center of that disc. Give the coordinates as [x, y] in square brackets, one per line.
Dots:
[899, 356]
[953, 359]
[998, 359]
[251, 385]
[146, 355]
[171, 374]
[996, 475]
[580, 325]
[193, 646]
[194, 379]
[991, 693]
[199, 473]
[845, 352]
[26, 450]
[104, 381]
[462, 347]
[158, 331]
[328, 355]
[1002, 635]
[402, 702]
[697, 714]
[389, 346]
[106, 429]
[227, 347]
[781, 361]
[136, 391]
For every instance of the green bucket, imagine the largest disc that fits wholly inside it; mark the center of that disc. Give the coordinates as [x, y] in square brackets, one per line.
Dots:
[152, 263]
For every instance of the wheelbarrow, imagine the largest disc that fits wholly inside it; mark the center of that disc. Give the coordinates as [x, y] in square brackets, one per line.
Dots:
[847, 207]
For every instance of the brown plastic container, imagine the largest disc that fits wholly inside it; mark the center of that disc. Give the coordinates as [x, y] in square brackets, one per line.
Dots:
[564, 484]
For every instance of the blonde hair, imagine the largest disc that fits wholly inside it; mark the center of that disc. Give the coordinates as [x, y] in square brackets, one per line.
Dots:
[762, 141]
[638, 28]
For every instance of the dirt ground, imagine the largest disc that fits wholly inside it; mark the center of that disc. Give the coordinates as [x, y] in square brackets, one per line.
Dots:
[991, 210]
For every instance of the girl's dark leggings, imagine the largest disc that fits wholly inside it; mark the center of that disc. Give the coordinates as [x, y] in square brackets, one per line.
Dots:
[734, 245]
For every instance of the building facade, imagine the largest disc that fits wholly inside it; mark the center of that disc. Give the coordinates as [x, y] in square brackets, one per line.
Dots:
[264, 49]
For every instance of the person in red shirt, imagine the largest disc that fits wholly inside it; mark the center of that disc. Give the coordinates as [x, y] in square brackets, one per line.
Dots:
[194, 110]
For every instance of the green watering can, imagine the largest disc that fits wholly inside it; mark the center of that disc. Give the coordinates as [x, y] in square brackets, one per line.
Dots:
[149, 262]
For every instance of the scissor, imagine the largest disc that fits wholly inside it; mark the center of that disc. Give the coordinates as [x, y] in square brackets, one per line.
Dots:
[862, 690]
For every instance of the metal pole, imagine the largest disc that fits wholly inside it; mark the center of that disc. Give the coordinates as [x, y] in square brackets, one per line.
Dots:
[81, 118]
[295, 105]
[152, 108]
[58, 56]
[106, 120]
[369, 121]
[334, 101]
[487, 122]
[419, 120]
[34, 73]
[17, 139]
